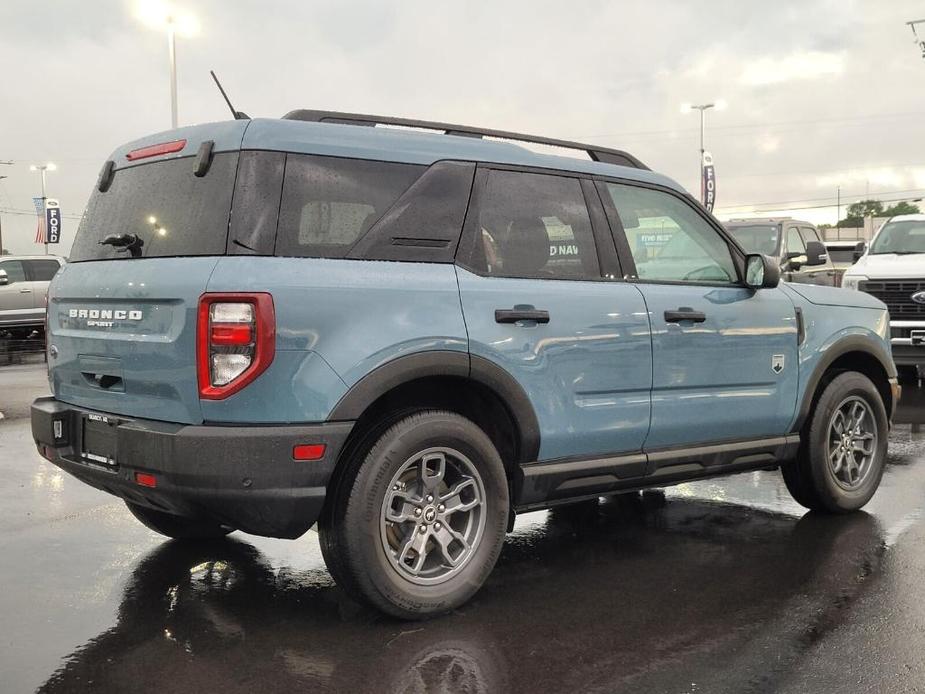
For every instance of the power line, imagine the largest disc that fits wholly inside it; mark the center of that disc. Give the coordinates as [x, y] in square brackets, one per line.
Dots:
[31, 213]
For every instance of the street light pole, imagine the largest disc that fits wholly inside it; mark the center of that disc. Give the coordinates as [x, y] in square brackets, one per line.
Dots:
[43, 169]
[1, 225]
[687, 108]
[172, 53]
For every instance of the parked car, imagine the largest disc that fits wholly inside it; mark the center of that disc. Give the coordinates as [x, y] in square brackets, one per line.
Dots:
[893, 270]
[843, 255]
[23, 284]
[409, 337]
[794, 244]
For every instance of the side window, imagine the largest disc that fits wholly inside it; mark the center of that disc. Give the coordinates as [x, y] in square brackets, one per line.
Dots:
[328, 203]
[669, 240]
[535, 225]
[809, 234]
[795, 241]
[42, 270]
[14, 271]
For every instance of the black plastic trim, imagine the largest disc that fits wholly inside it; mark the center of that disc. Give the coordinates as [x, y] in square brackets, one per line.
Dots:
[547, 483]
[445, 363]
[846, 345]
[106, 175]
[203, 158]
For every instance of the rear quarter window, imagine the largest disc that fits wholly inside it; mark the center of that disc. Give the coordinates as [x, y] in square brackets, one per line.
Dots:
[329, 203]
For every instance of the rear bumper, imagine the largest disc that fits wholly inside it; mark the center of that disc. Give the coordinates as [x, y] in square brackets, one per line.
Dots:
[241, 476]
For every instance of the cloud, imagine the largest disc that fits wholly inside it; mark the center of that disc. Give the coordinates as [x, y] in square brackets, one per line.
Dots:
[796, 66]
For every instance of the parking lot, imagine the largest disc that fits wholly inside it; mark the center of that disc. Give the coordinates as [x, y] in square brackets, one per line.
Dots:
[722, 585]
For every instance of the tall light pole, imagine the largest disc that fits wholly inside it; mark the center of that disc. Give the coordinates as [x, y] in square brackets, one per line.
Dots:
[1, 225]
[161, 15]
[43, 169]
[719, 105]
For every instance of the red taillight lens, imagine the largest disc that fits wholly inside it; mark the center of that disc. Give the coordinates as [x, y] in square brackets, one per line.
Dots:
[156, 150]
[236, 341]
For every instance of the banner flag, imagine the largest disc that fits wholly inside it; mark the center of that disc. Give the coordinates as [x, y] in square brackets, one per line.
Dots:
[708, 184]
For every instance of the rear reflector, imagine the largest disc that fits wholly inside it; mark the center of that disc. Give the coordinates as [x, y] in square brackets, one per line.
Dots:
[156, 150]
[308, 451]
[231, 334]
[145, 479]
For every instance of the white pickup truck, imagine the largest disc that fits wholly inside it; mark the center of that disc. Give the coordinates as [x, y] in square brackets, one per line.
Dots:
[893, 270]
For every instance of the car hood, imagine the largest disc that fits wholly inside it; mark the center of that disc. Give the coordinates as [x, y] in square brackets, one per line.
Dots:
[834, 296]
[890, 265]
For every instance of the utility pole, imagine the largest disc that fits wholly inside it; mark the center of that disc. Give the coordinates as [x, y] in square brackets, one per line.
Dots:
[838, 211]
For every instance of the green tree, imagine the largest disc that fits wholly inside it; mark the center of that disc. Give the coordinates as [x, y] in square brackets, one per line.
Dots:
[857, 211]
[901, 208]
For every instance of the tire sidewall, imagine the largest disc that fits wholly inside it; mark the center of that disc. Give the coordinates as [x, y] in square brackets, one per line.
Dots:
[833, 496]
[376, 573]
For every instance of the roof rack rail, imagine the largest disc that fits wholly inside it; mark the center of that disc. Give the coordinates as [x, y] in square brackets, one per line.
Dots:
[601, 154]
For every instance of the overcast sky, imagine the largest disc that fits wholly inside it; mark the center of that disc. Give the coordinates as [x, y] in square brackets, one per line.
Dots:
[820, 93]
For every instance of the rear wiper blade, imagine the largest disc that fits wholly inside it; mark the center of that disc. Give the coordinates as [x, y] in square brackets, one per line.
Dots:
[125, 242]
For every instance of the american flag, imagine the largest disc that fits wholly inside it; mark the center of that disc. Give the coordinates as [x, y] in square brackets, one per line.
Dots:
[40, 211]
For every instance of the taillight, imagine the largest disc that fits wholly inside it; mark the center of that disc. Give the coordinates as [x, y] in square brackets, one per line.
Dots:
[236, 341]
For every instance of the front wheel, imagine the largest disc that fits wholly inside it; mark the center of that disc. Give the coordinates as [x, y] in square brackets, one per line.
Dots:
[417, 524]
[177, 527]
[843, 451]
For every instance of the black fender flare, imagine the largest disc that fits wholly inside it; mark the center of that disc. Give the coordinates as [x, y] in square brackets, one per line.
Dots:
[846, 345]
[411, 367]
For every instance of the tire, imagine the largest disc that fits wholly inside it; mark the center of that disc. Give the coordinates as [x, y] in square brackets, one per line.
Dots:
[374, 556]
[177, 527]
[821, 478]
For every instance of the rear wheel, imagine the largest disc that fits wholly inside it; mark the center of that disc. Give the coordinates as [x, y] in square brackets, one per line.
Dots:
[177, 527]
[418, 522]
[843, 451]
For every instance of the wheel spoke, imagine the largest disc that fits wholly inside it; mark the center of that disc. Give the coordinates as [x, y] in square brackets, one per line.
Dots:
[446, 537]
[431, 471]
[863, 443]
[415, 550]
[839, 461]
[406, 512]
[454, 500]
[838, 423]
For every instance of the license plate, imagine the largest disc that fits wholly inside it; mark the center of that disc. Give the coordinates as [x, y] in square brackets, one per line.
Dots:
[98, 443]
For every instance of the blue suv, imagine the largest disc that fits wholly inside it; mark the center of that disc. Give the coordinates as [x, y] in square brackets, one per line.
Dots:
[407, 335]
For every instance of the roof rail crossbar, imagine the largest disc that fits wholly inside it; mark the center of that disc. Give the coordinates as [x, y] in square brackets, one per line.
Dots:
[601, 154]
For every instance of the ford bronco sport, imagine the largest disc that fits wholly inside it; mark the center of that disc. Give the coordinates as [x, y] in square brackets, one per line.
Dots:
[407, 337]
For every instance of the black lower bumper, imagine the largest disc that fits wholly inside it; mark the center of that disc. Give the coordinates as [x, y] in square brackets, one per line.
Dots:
[241, 476]
[909, 355]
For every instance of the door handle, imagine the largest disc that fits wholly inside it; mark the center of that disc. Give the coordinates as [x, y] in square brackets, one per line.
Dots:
[25, 291]
[514, 315]
[685, 313]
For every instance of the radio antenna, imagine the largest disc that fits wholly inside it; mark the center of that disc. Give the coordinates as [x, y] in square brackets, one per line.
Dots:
[238, 115]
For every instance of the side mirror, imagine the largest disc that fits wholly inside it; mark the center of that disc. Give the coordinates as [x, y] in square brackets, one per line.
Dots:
[4, 278]
[761, 272]
[795, 260]
[859, 250]
[816, 253]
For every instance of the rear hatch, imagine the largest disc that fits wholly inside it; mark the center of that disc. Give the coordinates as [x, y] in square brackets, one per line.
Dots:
[122, 314]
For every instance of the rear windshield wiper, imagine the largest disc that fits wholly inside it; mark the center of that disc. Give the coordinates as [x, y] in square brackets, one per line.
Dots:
[125, 242]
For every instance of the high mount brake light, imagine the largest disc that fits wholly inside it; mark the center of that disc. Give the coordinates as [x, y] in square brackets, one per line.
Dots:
[236, 341]
[156, 150]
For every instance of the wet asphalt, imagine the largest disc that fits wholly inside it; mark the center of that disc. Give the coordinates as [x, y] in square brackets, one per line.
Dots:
[718, 586]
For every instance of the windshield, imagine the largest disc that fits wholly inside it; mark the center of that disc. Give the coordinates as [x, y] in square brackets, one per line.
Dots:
[757, 238]
[900, 237]
[170, 210]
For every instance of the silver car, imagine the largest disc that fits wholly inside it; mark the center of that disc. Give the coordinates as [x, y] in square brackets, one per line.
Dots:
[23, 283]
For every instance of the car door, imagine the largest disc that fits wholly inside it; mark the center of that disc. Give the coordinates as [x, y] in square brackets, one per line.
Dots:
[39, 272]
[724, 355]
[16, 295]
[543, 298]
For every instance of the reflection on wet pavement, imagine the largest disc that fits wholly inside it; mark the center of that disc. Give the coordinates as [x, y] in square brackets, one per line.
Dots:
[636, 590]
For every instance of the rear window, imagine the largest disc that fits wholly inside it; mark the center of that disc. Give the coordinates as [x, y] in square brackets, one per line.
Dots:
[170, 210]
[329, 203]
